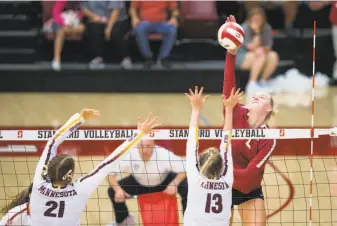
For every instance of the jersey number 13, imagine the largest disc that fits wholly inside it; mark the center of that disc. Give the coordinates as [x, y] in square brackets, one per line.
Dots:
[213, 203]
[55, 209]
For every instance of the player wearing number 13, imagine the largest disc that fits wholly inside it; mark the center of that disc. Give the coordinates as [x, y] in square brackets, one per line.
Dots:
[55, 200]
[210, 175]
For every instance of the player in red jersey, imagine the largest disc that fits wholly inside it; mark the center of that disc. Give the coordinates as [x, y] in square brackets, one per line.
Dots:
[249, 156]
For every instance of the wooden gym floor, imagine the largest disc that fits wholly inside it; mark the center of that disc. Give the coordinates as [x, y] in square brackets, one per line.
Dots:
[22, 110]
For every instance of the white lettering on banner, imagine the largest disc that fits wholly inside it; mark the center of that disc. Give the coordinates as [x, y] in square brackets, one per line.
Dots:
[163, 134]
[18, 148]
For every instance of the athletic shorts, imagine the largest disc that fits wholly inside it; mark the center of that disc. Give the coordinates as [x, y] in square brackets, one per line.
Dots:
[238, 197]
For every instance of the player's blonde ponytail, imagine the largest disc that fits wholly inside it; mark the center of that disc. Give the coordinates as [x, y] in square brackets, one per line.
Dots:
[211, 163]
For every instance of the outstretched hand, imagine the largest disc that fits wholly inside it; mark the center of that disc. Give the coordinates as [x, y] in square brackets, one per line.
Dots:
[90, 113]
[229, 19]
[196, 98]
[233, 99]
[149, 124]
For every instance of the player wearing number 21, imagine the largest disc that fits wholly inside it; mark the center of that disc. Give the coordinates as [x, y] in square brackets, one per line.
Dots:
[57, 200]
[210, 174]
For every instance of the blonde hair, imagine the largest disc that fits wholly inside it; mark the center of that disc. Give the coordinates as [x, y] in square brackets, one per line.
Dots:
[211, 163]
[257, 11]
[272, 112]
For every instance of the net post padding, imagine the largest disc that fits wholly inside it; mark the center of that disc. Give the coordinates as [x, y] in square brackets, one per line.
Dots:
[157, 209]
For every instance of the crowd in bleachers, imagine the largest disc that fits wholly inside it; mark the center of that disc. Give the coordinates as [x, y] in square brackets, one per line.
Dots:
[117, 21]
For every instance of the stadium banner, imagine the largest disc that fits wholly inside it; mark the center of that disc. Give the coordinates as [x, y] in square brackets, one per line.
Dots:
[26, 141]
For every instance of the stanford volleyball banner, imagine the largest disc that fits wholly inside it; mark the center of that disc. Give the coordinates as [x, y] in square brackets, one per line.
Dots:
[102, 141]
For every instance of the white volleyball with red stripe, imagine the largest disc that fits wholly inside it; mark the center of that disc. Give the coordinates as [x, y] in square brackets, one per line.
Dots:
[231, 35]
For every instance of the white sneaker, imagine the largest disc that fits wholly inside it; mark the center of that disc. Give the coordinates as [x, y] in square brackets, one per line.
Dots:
[96, 63]
[56, 65]
[252, 87]
[265, 87]
[128, 221]
[127, 64]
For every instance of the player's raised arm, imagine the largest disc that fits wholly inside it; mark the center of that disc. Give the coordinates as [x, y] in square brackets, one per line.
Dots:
[197, 102]
[89, 182]
[50, 150]
[229, 105]
[229, 72]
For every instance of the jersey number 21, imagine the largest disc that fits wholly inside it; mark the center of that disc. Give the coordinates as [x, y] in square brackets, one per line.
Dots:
[55, 209]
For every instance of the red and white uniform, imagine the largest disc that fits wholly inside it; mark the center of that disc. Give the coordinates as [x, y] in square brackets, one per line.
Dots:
[18, 216]
[249, 156]
[208, 201]
[54, 207]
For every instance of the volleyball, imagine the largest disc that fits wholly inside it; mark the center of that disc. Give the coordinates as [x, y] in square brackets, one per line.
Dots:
[231, 35]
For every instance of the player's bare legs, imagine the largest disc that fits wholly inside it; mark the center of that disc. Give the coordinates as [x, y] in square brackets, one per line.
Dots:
[231, 220]
[253, 213]
[272, 61]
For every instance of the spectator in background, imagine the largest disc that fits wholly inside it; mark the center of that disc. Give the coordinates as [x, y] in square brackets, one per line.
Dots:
[152, 18]
[289, 10]
[107, 20]
[63, 27]
[153, 169]
[256, 54]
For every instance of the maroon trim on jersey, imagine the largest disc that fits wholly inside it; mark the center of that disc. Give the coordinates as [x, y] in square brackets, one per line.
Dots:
[130, 139]
[98, 169]
[49, 152]
[15, 215]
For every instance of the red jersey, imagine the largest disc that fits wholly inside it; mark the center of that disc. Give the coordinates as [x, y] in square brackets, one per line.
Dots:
[249, 156]
[333, 13]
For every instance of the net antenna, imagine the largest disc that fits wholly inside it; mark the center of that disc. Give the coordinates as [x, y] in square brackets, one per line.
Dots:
[312, 121]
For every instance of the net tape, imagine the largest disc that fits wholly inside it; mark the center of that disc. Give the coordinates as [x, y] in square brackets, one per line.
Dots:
[163, 134]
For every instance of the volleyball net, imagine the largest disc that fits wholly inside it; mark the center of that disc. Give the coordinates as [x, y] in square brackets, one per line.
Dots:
[300, 179]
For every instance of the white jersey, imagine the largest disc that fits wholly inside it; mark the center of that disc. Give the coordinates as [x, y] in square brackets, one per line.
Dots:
[208, 201]
[154, 171]
[18, 216]
[54, 207]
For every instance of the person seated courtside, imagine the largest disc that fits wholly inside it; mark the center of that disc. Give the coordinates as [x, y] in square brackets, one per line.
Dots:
[256, 54]
[152, 18]
[107, 20]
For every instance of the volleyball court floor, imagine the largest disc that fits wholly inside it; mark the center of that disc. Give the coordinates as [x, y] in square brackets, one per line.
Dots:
[287, 185]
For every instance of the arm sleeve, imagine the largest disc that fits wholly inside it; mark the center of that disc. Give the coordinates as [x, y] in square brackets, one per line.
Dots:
[51, 148]
[229, 77]
[192, 152]
[225, 142]
[246, 178]
[57, 12]
[15, 216]
[4, 219]
[89, 182]
[177, 163]
[268, 36]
